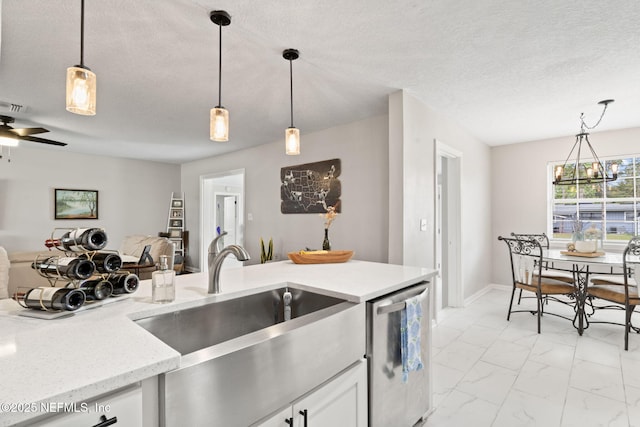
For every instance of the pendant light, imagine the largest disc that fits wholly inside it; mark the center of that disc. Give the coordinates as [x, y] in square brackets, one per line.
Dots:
[219, 120]
[81, 81]
[592, 171]
[292, 134]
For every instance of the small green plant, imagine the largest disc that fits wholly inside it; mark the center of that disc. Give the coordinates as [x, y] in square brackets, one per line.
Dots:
[266, 255]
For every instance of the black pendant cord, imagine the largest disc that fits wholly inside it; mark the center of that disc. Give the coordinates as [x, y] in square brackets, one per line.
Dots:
[82, 34]
[220, 68]
[291, 87]
[221, 19]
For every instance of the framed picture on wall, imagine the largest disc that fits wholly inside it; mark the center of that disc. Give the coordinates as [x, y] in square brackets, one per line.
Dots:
[311, 187]
[75, 204]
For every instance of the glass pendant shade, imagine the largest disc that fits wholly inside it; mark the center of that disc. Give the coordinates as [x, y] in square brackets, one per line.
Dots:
[81, 91]
[292, 141]
[219, 124]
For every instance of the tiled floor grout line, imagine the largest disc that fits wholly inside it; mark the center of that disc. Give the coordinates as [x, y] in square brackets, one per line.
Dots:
[566, 392]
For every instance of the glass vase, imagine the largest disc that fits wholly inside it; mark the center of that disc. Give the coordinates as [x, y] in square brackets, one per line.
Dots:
[326, 243]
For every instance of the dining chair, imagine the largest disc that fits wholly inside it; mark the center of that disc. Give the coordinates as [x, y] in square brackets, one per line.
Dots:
[525, 256]
[621, 289]
[548, 269]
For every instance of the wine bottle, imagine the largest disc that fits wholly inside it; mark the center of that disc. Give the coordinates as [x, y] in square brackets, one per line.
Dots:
[50, 298]
[80, 240]
[96, 289]
[68, 267]
[124, 283]
[106, 262]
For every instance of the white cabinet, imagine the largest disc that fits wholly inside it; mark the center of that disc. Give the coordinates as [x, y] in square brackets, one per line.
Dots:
[342, 401]
[283, 418]
[124, 405]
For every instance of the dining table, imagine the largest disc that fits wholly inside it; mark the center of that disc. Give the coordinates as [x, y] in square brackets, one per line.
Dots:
[582, 265]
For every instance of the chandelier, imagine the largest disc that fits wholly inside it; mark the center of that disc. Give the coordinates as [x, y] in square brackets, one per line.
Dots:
[591, 171]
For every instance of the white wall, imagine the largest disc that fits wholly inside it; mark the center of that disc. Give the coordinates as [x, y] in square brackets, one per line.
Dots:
[519, 184]
[133, 195]
[362, 226]
[396, 178]
[413, 128]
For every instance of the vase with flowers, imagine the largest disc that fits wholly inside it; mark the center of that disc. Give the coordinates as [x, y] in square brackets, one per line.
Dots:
[577, 235]
[328, 216]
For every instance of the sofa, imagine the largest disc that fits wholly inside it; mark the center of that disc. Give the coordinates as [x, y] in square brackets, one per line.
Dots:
[132, 247]
[21, 275]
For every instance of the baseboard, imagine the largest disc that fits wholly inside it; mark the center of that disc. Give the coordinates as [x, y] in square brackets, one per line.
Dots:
[442, 314]
[481, 292]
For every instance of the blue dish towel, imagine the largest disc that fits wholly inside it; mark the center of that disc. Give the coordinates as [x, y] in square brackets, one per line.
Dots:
[410, 318]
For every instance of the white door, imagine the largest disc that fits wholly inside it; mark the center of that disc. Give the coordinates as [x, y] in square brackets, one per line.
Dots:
[439, 290]
[448, 285]
[214, 189]
[230, 220]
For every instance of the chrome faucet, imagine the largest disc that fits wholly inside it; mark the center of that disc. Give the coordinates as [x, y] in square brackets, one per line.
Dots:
[213, 246]
[215, 264]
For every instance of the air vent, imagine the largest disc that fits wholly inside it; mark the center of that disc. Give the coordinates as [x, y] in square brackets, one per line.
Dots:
[10, 107]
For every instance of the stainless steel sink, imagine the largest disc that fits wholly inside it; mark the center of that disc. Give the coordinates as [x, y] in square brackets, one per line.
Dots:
[241, 360]
[196, 328]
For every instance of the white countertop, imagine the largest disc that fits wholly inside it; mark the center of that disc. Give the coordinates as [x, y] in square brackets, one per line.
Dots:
[99, 350]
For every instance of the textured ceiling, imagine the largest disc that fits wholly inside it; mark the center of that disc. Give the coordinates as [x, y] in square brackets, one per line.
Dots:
[507, 71]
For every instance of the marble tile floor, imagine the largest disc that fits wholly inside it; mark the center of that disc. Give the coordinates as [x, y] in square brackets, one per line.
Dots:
[488, 371]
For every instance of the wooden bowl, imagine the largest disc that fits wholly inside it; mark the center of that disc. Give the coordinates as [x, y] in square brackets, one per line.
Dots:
[320, 257]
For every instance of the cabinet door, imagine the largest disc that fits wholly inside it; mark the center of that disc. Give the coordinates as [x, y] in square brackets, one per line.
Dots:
[340, 402]
[126, 406]
[278, 420]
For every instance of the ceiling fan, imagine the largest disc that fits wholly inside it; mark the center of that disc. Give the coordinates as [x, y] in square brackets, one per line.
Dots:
[10, 136]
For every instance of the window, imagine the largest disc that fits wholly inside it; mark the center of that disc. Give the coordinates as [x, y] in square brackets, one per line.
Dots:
[613, 207]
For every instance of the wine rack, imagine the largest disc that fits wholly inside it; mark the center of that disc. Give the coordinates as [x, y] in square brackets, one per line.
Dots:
[80, 273]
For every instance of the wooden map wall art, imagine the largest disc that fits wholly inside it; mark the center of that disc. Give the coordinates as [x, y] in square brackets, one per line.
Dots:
[311, 187]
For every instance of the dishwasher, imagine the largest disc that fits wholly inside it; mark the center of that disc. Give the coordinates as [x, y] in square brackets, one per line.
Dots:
[393, 402]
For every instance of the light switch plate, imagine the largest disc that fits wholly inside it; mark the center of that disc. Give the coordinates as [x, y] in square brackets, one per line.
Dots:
[423, 224]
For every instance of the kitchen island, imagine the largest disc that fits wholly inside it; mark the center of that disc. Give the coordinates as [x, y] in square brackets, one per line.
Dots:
[97, 351]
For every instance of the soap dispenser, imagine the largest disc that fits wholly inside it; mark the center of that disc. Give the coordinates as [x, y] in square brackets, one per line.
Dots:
[163, 288]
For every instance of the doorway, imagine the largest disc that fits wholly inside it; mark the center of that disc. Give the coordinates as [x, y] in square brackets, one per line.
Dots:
[448, 254]
[222, 209]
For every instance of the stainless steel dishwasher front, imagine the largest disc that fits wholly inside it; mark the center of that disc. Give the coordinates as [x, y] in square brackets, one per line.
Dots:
[393, 402]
